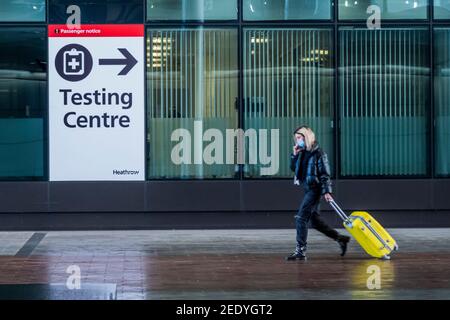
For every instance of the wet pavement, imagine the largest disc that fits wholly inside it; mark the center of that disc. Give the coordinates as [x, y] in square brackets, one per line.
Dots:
[217, 264]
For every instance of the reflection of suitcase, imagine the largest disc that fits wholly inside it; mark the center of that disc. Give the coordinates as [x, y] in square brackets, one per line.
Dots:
[374, 239]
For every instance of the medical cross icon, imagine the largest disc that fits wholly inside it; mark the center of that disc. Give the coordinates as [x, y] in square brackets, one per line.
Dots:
[73, 64]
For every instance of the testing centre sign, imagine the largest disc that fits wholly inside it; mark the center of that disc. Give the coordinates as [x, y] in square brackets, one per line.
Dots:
[96, 103]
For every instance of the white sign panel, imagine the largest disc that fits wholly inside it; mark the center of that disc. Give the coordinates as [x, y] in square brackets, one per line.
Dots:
[96, 103]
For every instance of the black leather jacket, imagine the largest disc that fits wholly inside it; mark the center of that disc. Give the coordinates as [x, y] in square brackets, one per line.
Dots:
[318, 173]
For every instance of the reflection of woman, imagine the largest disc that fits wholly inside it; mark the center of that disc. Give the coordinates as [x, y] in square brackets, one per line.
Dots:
[312, 170]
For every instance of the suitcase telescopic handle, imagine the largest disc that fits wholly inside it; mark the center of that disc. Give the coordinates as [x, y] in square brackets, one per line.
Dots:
[338, 210]
[344, 217]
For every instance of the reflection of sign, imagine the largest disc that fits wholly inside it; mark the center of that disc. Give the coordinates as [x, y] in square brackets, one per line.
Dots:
[96, 103]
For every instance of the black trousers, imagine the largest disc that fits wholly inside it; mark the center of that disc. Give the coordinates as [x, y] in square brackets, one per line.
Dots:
[309, 212]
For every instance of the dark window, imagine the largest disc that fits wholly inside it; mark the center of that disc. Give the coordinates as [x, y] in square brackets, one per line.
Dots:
[98, 11]
[23, 99]
[442, 99]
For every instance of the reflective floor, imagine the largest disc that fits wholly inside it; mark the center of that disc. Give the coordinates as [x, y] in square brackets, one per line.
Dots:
[217, 264]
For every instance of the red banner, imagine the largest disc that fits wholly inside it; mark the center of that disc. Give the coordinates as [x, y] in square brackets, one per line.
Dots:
[96, 30]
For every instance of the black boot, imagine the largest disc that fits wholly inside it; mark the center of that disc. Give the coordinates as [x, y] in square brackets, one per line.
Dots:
[298, 254]
[343, 241]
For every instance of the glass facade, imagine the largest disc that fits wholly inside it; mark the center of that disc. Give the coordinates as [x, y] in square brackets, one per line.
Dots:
[391, 9]
[214, 67]
[442, 100]
[98, 11]
[191, 10]
[22, 10]
[192, 85]
[442, 9]
[288, 81]
[384, 107]
[287, 10]
[23, 101]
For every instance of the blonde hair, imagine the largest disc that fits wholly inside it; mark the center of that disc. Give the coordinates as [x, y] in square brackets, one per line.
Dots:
[310, 137]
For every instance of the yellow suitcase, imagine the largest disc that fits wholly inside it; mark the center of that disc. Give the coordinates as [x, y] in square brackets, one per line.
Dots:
[372, 237]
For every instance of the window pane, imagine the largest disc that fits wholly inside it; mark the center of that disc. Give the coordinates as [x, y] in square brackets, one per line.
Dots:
[287, 9]
[22, 10]
[23, 99]
[384, 85]
[392, 9]
[98, 11]
[192, 85]
[442, 9]
[442, 99]
[191, 10]
[288, 82]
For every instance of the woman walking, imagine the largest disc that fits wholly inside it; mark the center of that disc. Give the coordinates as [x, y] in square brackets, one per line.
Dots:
[312, 171]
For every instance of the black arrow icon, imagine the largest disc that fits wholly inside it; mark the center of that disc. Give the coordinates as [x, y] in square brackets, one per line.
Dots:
[129, 62]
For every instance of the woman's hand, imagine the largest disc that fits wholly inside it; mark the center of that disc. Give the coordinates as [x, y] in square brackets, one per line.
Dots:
[328, 197]
[296, 150]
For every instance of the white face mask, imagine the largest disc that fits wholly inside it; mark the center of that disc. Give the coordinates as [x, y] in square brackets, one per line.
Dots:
[301, 143]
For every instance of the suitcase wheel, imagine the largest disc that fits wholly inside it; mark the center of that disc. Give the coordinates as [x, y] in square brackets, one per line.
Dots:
[386, 257]
[396, 247]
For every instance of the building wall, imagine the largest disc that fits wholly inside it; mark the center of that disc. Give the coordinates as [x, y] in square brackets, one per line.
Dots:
[377, 99]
